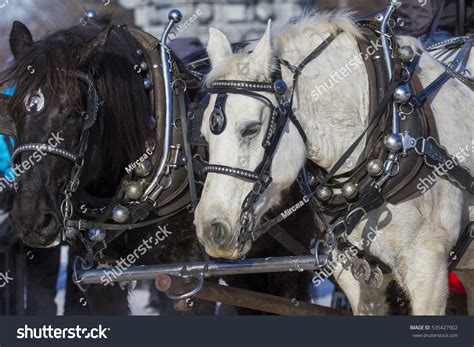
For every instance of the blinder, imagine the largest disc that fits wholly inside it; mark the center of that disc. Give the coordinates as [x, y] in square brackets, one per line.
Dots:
[7, 126]
[217, 122]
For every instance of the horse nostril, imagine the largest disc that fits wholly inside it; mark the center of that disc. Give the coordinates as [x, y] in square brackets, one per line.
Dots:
[218, 233]
[48, 221]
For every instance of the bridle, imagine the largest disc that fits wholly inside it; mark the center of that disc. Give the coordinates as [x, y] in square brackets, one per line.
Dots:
[75, 156]
[279, 116]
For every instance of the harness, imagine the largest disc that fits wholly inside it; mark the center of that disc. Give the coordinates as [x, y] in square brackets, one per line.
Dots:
[280, 114]
[377, 178]
[163, 192]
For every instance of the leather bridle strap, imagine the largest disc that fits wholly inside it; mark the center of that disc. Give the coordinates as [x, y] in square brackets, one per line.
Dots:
[43, 147]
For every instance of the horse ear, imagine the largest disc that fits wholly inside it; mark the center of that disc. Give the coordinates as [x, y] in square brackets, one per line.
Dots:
[218, 46]
[262, 55]
[20, 38]
[91, 53]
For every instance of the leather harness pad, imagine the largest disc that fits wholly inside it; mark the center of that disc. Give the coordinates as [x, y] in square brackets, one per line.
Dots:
[420, 124]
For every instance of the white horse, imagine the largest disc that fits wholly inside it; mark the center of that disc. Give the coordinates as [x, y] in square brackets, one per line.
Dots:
[420, 233]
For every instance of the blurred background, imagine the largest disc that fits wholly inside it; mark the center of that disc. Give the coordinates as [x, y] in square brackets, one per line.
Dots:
[240, 19]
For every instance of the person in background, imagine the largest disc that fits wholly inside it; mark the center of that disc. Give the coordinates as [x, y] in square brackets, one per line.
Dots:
[433, 21]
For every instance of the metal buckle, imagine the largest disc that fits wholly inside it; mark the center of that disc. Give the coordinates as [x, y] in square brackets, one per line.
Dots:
[423, 143]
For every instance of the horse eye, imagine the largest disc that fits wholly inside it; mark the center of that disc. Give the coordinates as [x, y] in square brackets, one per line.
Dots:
[34, 103]
[251, 130]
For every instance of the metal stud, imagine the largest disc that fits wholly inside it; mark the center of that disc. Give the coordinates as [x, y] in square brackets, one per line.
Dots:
[323, 193]
[349, 190]
[96, 234]
[90, 14]
[152, 122]
[134, 191]
[120, 214]
[175, 16]
[406, 53]
[139, 52]
[143, 169]
[375, 167]
[402, 94]
[310, 179]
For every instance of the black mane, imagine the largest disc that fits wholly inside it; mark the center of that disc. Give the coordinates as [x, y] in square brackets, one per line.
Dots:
[126, 105]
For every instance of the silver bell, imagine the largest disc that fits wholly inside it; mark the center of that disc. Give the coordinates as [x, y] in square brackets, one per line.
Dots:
[134, 191]
[175, 16]
[96, 234]
[393, 142]
[402, 94]
[323, 193]
[143, 169]
[406, 53]
[120, 214]
[375, 167]
[349, 190]
[147, 83]
[143, 66]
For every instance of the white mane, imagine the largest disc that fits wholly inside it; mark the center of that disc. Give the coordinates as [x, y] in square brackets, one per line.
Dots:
[318, 25]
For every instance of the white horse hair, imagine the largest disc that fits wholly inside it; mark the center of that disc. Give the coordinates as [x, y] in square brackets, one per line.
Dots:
[414, 237]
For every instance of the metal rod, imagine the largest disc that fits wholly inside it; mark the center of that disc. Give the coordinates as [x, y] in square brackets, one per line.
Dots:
[153, 189]
[213, 268]
[244, 298]
[392, 5]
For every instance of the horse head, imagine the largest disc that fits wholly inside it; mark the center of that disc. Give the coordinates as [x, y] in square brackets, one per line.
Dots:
[236, 126]
[66, 83]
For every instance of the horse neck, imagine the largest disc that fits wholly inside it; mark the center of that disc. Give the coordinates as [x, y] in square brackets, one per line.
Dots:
[332, 96]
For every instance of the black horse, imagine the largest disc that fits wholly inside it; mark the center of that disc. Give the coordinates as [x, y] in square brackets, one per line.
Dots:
[49, 101]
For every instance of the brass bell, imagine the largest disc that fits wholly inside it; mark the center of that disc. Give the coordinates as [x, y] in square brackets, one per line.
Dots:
[143, 169]
[134, 191]
[375, 167]
[406, 53]
[323, 193]
[349, 190]
[96, 234]
[120, 214]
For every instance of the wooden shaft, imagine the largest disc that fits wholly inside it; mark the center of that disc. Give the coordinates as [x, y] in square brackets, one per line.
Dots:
[244, 298]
